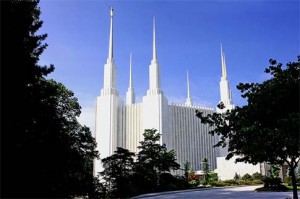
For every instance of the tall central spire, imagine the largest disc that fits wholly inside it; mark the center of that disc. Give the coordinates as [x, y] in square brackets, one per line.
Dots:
[110, 70]
[110, 48]
[154, 73]
[154, 42]
[224, 72]
[188, 99]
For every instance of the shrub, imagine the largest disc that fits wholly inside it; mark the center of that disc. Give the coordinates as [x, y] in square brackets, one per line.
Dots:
[247, 177]
[279, 188]
[193, 183]
[231, 182]
[193, 179]
[257, 182]
[257, 176]
[288, 180]
[242, 182]
[249, 182]
[193, 176]
[213, 177]
[272, 182]
[219, 184]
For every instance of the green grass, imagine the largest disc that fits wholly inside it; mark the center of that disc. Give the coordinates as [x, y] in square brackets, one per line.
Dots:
[291, 187]
[277, 189]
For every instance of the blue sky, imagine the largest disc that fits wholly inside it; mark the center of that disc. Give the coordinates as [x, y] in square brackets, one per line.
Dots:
[188, 34]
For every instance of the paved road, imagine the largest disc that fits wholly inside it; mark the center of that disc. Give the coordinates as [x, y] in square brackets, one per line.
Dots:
[246, 192]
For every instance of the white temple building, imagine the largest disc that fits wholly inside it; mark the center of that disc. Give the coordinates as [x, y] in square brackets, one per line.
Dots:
[120, 124]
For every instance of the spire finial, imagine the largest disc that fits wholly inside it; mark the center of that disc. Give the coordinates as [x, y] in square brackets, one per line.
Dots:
[224, 73]
[110, 49]
[154, 41]
[111, 12]
[188, 99]
[130, 72]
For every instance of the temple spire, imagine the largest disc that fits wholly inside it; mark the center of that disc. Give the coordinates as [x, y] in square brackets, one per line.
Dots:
[224, 72]
[130, 71]
[110, 49]
[188, 99]
[130, 95]
[225, 92]
[154, 42]
[154, 72]
[110, 70]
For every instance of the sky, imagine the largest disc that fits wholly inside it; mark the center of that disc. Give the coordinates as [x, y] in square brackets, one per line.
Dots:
[188, 35]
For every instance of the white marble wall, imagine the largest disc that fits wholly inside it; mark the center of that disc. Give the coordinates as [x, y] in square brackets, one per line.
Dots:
[189, 137]
[227, 168]
[132, 117]
[107, 126]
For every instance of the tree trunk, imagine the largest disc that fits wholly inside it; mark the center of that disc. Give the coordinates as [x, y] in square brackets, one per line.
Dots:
[294, 182]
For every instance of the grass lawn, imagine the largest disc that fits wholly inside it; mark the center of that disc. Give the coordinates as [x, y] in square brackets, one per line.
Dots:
[291, 188]
[279, 189]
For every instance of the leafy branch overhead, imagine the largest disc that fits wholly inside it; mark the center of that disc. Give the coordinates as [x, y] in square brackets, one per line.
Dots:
[266, 129]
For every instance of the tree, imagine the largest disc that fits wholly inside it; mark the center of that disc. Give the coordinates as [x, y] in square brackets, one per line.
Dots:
[151, 172]
[206, 170]
[274, 171]
[257, 176]
[153, 161]
[236, 176]
[187, 168]
[247, 177]
[118, 171]
[45, 151]
[267, 128]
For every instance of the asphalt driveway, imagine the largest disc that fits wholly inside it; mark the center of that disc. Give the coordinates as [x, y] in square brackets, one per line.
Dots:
[246, 192]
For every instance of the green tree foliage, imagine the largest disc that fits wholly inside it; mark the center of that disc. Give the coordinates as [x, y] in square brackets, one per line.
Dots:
[247, 177]
[153, 160]
[118, 171]
[274, 171]
[151, 172]
[267, 128]
[187, 168]
[257, 176]
[45, 151]
[206, 171]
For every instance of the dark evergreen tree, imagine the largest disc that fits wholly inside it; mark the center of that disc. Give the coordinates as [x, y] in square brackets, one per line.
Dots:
[45, 152]
[153, 161]
[151, 172]
[267, 128]
[118, 172]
